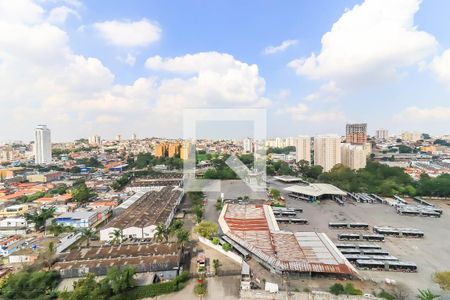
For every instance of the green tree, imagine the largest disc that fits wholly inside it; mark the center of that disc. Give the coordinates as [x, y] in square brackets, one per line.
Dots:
[117, 237]
[337, 289]
[216, 266]
[206, 229]
[87, 234]
[81, 193]
[275, 193]
[31, 285]
[57, 229]
[39, 218]
[121, 280]
[161, 233]
[182, 237]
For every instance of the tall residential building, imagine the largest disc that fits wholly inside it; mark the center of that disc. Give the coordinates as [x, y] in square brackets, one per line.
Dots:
[119, 137]
[42, 145]
[353, 156]
[303, 148]
[356, 133]
[95, 140]
[327, 151]
[411, 136]
[134, 136]
[382, 134]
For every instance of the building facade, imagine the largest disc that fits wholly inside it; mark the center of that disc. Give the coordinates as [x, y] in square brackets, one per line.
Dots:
[382, 134]
[327, 151]
[303, 148]
[42, 145]
[356, 133]
[353, 156]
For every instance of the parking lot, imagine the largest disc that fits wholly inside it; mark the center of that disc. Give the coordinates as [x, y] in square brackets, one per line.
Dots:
[430, 253]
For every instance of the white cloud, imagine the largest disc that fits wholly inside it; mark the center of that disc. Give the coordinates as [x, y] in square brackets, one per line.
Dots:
[370, 42]
[130, 59]
[301, 112]
[20, 11]
[327, 92]
[280, 48]
[76, 94]
[416, 114]
[129, 33]
[216, 79]
[440, 66]
[59, 15]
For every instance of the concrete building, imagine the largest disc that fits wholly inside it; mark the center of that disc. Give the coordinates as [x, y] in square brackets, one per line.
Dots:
[303, 148]
[411, 136]
[353, 156]
[382, 134]
[356, 133]
[95, 140]
[42, 145]
[327, 151]
[13, 226]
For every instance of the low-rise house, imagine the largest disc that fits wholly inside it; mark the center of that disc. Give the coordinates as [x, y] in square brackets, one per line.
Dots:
[13, 226]
[14, 210]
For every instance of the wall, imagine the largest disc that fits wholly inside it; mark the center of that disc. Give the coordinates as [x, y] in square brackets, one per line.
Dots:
[229, 254]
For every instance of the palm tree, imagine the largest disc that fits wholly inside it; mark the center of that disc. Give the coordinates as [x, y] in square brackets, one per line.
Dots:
[162, 233]
[87, 233]
[426, 295]
[117, 236]
[182, 237]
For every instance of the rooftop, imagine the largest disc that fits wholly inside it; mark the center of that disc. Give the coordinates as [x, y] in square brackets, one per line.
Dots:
[316, 189]
[152, 208]
[254, 228]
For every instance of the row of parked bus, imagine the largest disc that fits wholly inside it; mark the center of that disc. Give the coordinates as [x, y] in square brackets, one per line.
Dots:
[292, 220]
[360, 237]
[379, 265]
[366, 198]
[340, 225]
[398, 232]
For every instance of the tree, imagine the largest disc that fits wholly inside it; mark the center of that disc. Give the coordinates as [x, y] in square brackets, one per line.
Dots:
[81, 193]
[39, 218]
[121, 280]
[49, 255]
[87, 234]
[85, 288]
[426, 295]
[175, 226]
[216, 266]
[215, 241]
[30, 285]
[275, 194]
[57, 229]
[206, 229]
[442, 279]
[200, 289]
[337, 289]
[182, 237]
[117, 237]
[161, 233]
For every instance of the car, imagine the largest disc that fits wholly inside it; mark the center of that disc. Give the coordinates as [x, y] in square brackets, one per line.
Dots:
[369, 296]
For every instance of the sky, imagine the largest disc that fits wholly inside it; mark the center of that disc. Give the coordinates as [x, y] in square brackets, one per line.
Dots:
[111, 67]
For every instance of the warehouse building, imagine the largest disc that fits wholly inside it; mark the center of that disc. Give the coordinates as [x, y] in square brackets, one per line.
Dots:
[141, 218]
[162, 259]
[315, 191]
[302, 254]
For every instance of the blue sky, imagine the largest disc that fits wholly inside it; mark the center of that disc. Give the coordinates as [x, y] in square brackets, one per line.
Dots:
[110, 67]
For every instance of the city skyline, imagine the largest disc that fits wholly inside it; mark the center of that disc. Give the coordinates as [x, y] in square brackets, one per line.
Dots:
[132, 67]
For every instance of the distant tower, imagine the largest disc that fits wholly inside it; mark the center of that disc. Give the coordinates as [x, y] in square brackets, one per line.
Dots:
[134, 136]
[95, 140]
[303, 148]
[327, 151]
[119, 137]
[42, 145]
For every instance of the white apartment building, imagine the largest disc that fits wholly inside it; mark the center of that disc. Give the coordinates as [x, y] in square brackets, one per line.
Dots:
[411, 136]
[95, 140]
[327, 151]
[303, 148]
[353, 156]
[248, 145]
[42, 145]
[382, 134]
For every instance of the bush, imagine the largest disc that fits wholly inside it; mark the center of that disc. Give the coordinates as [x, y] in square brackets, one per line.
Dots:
[386, 295]
[337, 289]
[349, 289]
[215, 241]
[443, 279]
[200, 289]
[226, 247]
